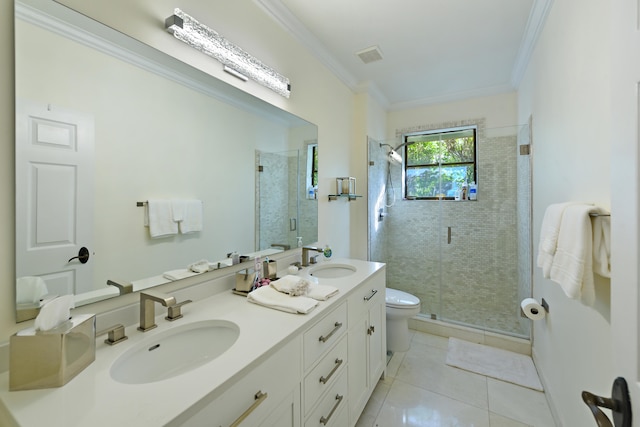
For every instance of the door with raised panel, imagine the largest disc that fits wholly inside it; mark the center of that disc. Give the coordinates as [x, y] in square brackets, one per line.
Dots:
[54, 196]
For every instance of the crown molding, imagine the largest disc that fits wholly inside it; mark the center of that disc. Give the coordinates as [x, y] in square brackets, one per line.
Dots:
[452, 97]
[535, 24]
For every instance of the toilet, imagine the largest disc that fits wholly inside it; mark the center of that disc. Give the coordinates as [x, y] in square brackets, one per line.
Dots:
[400, 307]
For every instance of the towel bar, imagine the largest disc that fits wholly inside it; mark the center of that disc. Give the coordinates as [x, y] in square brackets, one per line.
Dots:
[595, 214]
[140, 204]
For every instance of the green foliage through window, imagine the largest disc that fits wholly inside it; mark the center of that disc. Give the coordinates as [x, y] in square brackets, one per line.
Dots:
[438, 163]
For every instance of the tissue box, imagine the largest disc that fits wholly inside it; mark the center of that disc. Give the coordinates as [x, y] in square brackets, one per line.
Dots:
[51, 359]
[269, 269]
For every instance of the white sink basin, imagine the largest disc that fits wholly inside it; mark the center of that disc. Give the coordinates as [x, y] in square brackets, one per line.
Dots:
[175, 352]
[332, 271]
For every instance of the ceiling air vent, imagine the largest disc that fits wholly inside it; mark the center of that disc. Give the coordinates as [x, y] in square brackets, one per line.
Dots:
[370, 54]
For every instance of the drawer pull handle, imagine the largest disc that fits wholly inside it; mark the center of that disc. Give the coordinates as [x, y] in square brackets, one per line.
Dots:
[324, 420]
[259, 397]
[337, 326]
[324, 380]
[373, 292]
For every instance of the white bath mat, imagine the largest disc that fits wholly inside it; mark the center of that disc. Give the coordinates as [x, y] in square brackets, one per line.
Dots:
[493, 362]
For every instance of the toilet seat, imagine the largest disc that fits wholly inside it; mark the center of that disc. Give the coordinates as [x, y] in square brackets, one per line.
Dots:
[399, 299]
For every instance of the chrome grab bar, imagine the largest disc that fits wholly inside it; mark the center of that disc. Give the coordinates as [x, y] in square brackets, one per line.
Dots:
[259, 397]
[337, 326]
[324, 420]
[324, 380]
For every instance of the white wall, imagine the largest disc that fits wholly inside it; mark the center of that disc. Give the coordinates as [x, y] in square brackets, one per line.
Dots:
[317, 96]
[565, 90]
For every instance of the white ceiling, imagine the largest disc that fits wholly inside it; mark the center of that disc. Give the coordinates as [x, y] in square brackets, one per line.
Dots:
[433, 50]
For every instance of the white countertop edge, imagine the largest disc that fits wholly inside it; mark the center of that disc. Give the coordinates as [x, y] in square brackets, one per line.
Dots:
[94, 398]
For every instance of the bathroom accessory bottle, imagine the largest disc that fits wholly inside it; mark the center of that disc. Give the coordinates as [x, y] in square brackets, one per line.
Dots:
[327, 252]
[310, 193]
[299, 238]
[473, 191]
[465, 190]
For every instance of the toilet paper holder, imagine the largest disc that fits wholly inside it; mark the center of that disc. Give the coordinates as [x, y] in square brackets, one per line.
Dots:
[544, 305]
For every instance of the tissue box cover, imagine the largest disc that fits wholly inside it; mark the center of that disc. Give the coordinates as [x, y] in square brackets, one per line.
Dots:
[51, 358]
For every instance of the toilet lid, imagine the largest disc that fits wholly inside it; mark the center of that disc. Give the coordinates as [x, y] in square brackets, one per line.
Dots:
[399, 299]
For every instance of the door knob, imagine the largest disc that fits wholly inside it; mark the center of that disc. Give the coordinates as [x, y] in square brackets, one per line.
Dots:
[619, 404]
[83, 255]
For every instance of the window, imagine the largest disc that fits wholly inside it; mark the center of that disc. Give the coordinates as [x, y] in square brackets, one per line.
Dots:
[313, 153]
[437, 163]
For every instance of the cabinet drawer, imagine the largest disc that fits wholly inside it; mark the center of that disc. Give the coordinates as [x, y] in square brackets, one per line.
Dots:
[333, 404]
[321, 337]
[367, 294]
[325, 374]
[274, 379]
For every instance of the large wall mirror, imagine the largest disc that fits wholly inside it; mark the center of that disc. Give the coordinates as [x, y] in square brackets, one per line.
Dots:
[105, 124]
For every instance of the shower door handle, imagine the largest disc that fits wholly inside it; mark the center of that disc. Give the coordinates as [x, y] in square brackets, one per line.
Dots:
[448, 235]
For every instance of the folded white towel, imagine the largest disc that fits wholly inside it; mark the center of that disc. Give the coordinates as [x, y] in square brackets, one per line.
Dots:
[322, 292]
[549, 236]
[30, 289]
[602, 246]
[159, 218]
[178, 274]
[292, 285]
[192, 220]
[270, 297]
[572, 265]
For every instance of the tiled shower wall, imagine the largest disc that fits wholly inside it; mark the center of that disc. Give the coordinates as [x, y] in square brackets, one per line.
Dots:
[474, 279]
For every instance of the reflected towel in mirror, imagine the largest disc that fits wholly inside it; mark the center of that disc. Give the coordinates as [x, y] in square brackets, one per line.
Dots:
[30, 289]
[159, 218]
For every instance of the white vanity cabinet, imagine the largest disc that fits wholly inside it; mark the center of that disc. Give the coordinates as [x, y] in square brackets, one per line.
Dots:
[366, 341]
[268, 395]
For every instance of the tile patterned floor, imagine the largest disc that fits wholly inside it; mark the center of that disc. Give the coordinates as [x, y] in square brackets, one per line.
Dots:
[420, 390]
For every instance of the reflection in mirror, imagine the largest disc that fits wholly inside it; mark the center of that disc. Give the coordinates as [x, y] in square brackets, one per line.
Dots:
[100, 132]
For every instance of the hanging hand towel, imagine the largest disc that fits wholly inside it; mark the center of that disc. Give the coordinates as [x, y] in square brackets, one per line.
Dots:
[602, 246]
[321, 292]
[269, 297]
[572, 265]
[159, 217]
[192, 221]
[549, 236]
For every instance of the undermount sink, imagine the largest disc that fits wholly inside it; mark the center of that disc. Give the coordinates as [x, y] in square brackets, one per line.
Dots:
[175, 351]
[332, 271]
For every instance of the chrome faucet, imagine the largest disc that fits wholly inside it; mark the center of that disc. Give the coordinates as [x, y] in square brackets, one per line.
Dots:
[306, 258]
[147, 308]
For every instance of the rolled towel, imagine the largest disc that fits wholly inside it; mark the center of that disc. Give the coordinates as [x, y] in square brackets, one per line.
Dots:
[292, 285]
[200, 266]
[269, 297]
[321, 292]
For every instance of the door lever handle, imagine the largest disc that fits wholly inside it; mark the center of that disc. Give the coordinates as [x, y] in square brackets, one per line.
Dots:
[619, 404]
[83, 255]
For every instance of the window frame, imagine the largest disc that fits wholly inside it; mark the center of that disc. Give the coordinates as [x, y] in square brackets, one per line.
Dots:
[405, 163]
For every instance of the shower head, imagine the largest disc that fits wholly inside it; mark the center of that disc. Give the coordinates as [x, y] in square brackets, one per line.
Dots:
[394, 157]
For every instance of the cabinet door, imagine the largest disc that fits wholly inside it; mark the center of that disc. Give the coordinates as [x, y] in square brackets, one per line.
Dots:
[358, 370]
[287, 414]
[377, 342]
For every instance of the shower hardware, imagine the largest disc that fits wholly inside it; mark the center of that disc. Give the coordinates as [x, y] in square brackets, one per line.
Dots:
[449, 235]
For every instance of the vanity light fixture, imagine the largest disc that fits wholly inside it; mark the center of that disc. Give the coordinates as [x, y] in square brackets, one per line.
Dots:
[235, 60]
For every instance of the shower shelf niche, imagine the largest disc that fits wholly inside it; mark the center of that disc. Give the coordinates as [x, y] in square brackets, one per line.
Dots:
[349, 196]
[345, 187]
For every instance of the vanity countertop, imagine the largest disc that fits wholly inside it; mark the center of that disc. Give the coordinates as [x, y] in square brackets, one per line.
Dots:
[94, 398]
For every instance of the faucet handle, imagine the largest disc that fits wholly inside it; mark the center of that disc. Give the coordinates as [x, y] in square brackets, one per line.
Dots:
[115, 334]
[174, 312]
